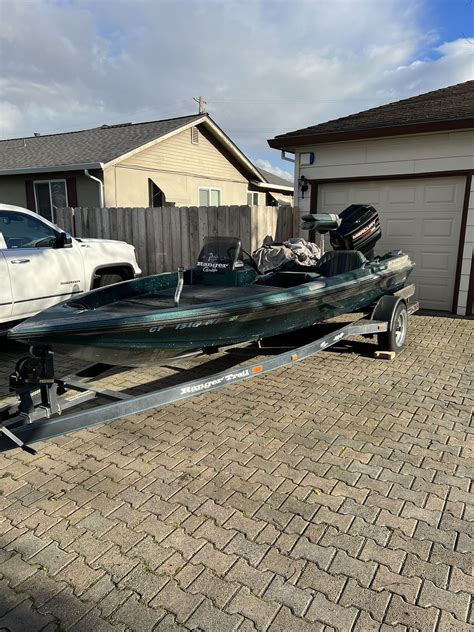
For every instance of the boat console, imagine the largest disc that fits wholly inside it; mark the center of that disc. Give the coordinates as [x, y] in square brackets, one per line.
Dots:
[339, 261]
[220, 262]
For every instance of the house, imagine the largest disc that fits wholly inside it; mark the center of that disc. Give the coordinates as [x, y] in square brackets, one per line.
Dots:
[279, 190]
[414, 161]
[185, 161]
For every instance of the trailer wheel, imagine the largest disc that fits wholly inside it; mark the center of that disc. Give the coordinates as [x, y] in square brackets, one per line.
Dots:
[394, 339]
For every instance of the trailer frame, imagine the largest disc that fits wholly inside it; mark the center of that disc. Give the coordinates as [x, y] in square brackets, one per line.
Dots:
[38, 410]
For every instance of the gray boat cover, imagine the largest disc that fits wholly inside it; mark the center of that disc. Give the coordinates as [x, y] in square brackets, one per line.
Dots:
[273, 256]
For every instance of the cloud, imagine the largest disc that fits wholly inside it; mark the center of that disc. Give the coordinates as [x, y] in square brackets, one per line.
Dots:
[264, 67]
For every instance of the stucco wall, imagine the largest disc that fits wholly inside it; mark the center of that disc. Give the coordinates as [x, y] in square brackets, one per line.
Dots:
[128, 186]
[12, 188]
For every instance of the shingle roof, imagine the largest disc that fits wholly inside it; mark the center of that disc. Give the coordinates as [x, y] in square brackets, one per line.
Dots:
[271, 178]
[447, 108]
[99, 144]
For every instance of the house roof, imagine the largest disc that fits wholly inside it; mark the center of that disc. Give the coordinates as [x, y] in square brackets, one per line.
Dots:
[271, 178]
[444, 109]
[97, 147]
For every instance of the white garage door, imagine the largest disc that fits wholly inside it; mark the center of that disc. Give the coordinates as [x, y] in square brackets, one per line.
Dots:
[422, 217]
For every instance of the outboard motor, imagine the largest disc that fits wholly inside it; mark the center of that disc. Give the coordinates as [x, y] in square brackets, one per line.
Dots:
[359, 230]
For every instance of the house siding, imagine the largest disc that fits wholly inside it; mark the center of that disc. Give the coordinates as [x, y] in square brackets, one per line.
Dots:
[179, 168]
[418, 153]
[178, 154]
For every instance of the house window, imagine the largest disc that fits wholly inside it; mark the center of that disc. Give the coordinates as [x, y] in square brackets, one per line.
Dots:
[156, 197]
[194, 135]
[252, 198]
[209, 197]
[50, 195]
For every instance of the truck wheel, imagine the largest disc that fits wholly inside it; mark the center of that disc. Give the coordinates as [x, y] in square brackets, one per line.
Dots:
[109, 279]
[394, 339]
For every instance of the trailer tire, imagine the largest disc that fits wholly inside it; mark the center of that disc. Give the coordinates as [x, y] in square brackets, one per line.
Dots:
[394, 339]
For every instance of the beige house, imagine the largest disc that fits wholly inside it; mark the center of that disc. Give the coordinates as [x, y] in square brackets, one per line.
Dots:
[414, 161]
[186, 161]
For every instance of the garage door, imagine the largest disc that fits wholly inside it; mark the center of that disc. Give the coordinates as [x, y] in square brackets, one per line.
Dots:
[422, 217]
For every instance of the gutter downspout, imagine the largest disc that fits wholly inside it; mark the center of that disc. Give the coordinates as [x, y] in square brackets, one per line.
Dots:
[283, 156]
[101, 184]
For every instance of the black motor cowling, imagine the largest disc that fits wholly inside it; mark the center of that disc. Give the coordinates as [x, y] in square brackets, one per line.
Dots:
[359, 230]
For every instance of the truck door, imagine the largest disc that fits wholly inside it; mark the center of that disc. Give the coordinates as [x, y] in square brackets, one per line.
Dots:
[41, 274]
[6, 302]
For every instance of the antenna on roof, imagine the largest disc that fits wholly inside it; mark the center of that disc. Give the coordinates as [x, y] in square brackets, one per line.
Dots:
[202, 104]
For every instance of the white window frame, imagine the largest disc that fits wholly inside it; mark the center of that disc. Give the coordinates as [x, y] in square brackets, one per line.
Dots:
[209, 189]
[252, 193]
[35, 182]
[195, 134]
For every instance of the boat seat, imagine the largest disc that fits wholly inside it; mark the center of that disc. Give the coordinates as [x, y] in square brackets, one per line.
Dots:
[339, 261]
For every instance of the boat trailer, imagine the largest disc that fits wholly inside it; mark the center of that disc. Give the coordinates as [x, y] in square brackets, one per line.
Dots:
[42, 405]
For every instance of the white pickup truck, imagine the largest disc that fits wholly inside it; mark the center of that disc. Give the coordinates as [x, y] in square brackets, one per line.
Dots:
[41, 265]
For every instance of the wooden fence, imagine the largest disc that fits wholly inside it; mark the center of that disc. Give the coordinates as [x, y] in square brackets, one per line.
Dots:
[168, 237]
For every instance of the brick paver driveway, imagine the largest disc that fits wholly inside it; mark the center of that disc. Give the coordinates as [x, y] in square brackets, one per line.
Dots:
[332, 495]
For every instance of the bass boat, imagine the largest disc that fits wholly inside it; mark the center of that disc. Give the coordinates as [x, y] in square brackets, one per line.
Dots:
[223, 300]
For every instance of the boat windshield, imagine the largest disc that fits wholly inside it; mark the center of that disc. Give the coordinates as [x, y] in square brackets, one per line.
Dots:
[219, 253]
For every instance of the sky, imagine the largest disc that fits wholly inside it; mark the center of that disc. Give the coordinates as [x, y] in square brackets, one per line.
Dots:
[264, 67]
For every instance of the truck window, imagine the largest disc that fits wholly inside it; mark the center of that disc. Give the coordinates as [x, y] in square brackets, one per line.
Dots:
[23, 231]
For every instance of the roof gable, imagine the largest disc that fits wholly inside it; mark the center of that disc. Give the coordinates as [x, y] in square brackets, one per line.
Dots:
[444, 109]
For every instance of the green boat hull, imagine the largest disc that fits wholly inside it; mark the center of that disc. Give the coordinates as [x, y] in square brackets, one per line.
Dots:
[136, 323]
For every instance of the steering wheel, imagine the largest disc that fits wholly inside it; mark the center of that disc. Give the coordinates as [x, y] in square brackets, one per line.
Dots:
[250, 260]
[43, 242]
[231, 252]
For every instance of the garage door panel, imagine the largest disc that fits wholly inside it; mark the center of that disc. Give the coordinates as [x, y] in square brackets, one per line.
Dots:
[334, 197]
[441, 194]
[361, 197]
[422, 217]
[436, 262]
[400, 227]
[440, 227]
[432, 294]
[433, 230]
[401, 195]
